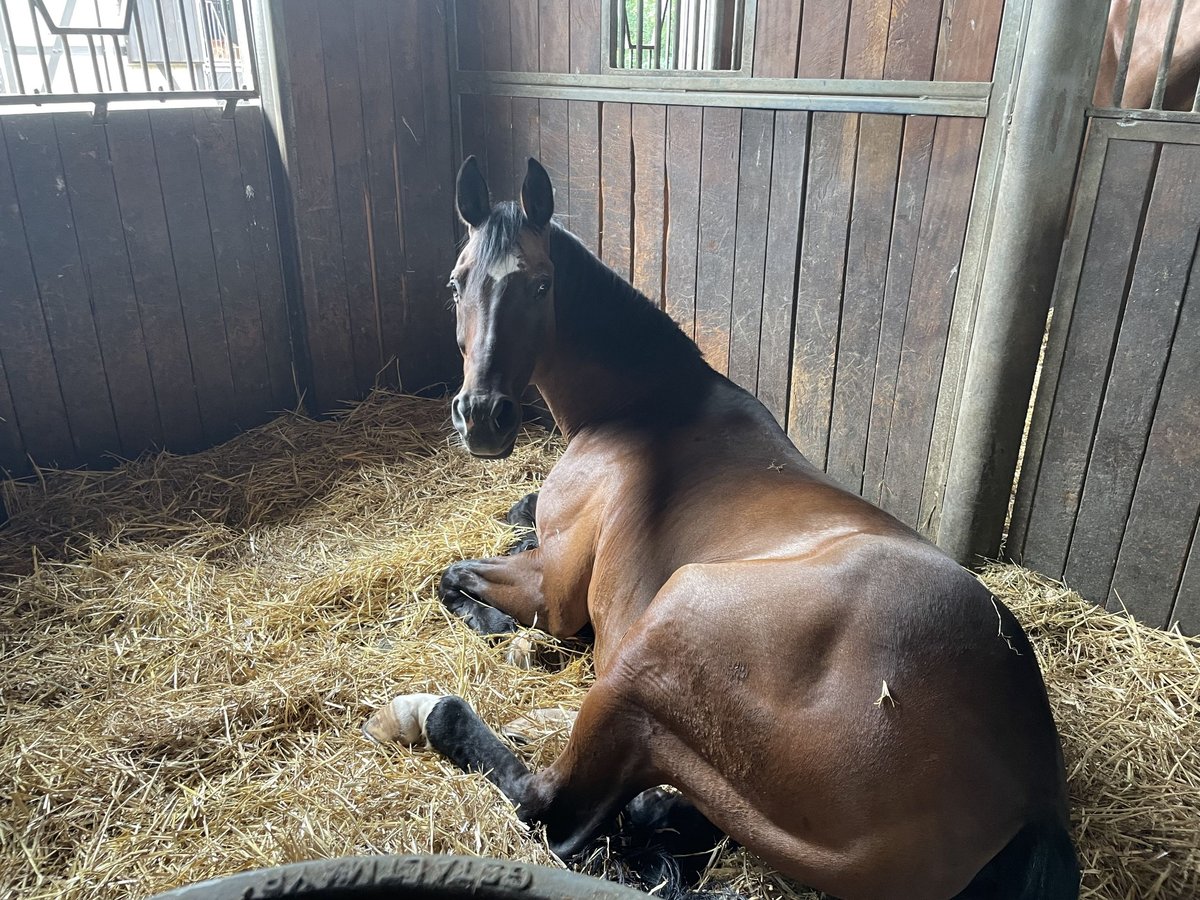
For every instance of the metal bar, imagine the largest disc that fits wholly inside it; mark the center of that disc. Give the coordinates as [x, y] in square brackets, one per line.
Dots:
[141, 43]
[66, 51]
[41, 49]
[233, 69]
[1164, 64]
[1145, 115]
[120, 63]
[1196, 101]
[206, 19]
[95, 62]
[1131, 22]
[93, 97]
[735, 43]
[660, 7]
[12, 45]
[749, 18]
[251, 51]
[677, 83]
[695, 48]
[166, 53]
[95, 31]
[641, 30]
[675, 24]
[622, 31]
[187, 44]
[737, 99]
[1058, 76]
[1179, 129]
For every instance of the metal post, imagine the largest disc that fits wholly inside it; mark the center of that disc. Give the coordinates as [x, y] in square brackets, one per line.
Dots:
[1055, 84]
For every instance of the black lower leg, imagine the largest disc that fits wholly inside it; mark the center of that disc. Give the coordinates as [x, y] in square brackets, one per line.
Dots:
[455, 731]
[522, 515]
[479, 617]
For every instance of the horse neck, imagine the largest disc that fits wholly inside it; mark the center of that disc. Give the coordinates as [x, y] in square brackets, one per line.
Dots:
[614, 356]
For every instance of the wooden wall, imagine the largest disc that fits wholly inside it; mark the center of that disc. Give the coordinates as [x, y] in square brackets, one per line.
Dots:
[1110, 491]
[812, 254]
[360, 96]
[141, 299]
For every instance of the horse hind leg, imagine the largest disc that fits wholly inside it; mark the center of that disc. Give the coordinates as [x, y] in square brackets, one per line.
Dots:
[667, 841]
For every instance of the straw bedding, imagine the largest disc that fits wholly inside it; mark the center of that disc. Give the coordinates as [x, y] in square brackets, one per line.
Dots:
[188, 646]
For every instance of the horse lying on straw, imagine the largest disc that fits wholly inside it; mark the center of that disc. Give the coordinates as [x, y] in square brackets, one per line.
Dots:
[821, 683]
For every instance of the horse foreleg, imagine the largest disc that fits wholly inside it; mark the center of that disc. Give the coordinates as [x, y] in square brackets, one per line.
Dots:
[600, 770]
[523, 515]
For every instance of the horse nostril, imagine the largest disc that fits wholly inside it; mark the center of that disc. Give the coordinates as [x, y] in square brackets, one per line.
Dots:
[504, 415]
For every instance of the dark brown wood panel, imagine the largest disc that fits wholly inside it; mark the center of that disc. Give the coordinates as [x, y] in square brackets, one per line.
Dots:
[823, 39]
[470, 33]
[381, 194]
[915, 152]
[196, 270]
[25, 351]
[473, 133]
[148, 244]
[777, 38]
[1076, 396]
[527, 142]
[871, 218]
[584, 174]
[524, 42]
[554, 35]
[867, 38]
[684, 129]
[233, 255]
[649, 124]
[108, 281]
[554, 152]
[585, 34]
[912, 40]
[720, 153]
[616, 172]
[1187, 601]
[822, 269]
[750, 251]
[12, 444]
[789, 166]
[966, 48]
[1166, 504]
[930, 303]
[58, 269]
[340, 54]
[1164, 257]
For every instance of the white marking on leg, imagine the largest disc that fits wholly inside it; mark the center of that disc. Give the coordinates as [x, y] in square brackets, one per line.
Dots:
[521, 652]
[504, 267]
[401, 719]
[539, 723]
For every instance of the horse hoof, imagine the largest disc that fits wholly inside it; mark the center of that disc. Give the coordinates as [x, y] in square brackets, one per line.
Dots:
[521, 652]
[400, 719]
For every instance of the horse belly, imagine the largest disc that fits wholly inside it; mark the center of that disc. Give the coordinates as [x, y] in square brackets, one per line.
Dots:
[859, 749]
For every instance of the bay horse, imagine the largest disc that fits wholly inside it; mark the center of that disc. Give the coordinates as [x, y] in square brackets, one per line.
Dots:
[825, 686]
[1149, 38]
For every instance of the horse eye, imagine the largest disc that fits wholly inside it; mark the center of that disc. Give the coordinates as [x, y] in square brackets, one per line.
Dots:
[453, 285]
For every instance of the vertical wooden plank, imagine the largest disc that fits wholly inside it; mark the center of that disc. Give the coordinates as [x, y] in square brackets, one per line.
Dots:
[385, 249]
[152, 267]
[750, 251]
[473, 133]
[1166, 504]
[470, 35]
[912, 40]
[789, 167]
[495, 23]
[966, 47]
[585, 35]
[684, 132]
[867, 38]
[583, 123]
[649, 190]
[421, 93]
[311, 167]
[777, 38]
[915, 153]
[616, 203]
[1151, 311]
[25, 349]
[822, 270]
[1112, 241]
[12, 447]
[524, 42]
[930, 302]
[1187, 602]
[224, 196]
[823, 39]
[526, 114]
[871, 217]
[109, 283]
[720, 150]
[195, 270]
[554, 36]
[584, 176]
[54, 253]
[340, 49]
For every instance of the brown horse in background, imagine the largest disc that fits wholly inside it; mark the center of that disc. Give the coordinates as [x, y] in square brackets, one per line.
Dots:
[1150, 33]
[822, 684]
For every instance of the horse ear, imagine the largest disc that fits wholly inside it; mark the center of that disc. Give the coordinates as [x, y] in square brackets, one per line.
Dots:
[474, 202]
[537, 195]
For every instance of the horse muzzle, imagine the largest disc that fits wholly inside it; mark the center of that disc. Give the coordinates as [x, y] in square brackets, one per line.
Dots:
[486, 422]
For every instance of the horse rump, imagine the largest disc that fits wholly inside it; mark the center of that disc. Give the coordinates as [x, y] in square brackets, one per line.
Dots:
[1039, 863]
